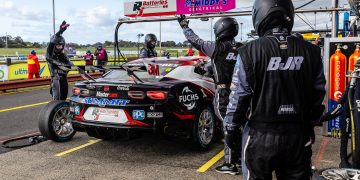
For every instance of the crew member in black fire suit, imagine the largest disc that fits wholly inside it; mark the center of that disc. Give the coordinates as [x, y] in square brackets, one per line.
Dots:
[149, 50]
[223, 53]
[278, 87]
[57, 60]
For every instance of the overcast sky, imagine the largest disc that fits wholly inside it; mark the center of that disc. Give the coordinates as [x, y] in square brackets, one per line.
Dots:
[94, 21]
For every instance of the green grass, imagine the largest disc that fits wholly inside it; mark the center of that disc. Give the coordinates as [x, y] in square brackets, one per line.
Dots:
[26, 51]
[20, 51]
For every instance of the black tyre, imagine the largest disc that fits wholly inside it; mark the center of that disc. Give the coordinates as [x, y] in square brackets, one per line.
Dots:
[54, 121]
[203, 129]
[336, 173]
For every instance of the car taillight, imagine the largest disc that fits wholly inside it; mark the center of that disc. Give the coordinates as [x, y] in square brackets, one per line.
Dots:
[113, 95]
[76, 91]
[136, 94]
[157, 95]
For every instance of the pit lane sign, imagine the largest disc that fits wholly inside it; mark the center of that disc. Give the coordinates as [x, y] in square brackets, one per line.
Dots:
[204, 6]
[149, 8]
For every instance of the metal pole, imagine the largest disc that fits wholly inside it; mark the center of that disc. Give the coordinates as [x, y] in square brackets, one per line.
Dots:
[315, 21]
[211, 28]
[6, 43]
[224, 14]
[241, 31]
[335, 19]
[160, 38]
[53, 6]
[138, 45]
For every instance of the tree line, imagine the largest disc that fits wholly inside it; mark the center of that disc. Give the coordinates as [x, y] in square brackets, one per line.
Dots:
[18, 42]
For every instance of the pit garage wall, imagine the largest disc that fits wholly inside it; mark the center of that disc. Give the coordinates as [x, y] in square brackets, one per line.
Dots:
[332, 127]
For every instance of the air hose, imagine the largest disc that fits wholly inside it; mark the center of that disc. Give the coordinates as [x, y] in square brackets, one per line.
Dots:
[23, 141]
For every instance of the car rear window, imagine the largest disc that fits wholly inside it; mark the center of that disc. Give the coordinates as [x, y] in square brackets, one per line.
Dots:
[121, 75]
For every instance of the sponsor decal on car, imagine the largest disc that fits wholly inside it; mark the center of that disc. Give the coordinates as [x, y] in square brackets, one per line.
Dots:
[122, 88]
[105, 115]
[155, 114]
[77, 110]
[104, 101]
[90, 86]
[169, 65]
[188, 98]
[138, 114]
[153, 69]
[102, 94]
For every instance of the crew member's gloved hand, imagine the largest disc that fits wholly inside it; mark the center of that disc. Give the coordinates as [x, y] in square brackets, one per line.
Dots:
[230, 138]
[58, 63]
[65, 68]
[63, 28]
[70, 63]
[200, 68]
[184, 23]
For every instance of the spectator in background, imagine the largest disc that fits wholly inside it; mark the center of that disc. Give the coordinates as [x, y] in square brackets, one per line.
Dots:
[33, 65]
[101, 56]
[89, 58]
[190, 51]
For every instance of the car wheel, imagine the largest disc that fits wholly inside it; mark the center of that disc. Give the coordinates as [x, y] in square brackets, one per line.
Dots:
[54, 121]
[203, 128]
[336, 173]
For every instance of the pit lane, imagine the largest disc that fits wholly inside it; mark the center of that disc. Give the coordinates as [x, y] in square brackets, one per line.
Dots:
[150, 156]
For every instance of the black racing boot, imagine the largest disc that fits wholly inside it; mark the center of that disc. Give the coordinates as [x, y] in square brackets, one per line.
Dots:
[227, 168]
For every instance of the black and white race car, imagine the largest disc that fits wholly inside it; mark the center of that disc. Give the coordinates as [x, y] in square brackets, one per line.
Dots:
[158, 94]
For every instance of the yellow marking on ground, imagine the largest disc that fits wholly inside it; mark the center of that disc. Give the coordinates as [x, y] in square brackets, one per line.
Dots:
[91, 142]
[211, 162]
[24, 90]
[29, 89]
[22, 107]
[25, 106]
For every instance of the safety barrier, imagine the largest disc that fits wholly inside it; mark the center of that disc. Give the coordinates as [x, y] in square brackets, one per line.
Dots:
[39, 82]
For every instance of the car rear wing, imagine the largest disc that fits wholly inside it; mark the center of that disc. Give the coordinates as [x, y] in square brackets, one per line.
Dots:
[82, 71]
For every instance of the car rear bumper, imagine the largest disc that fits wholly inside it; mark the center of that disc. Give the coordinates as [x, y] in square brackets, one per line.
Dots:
[83, 124]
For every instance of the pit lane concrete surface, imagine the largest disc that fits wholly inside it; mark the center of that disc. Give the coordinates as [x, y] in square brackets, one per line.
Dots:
[150, 156]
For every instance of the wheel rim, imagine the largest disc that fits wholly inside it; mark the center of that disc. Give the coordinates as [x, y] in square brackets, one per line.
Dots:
[206, 127]
[61, 124]
[339, 174]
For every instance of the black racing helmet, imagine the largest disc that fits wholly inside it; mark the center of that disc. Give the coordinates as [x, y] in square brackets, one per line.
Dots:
[226, 28]
[150, 41]
[268, 14]
[59, 43]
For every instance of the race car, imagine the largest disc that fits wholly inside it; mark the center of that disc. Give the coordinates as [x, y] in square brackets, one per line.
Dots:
[168, 95]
